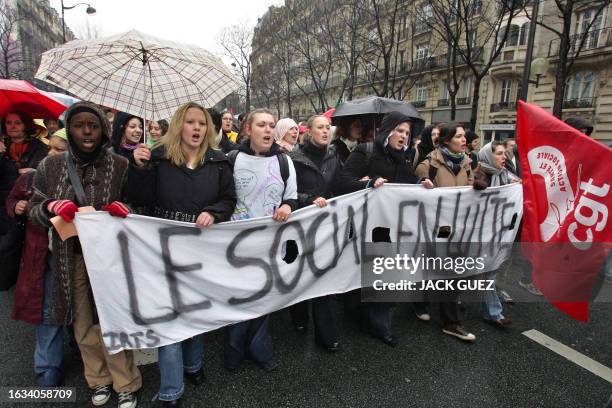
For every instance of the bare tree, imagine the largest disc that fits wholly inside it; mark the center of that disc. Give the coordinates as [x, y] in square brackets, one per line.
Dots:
[569, 46]
[314, 50]
[10, 50]
[283, 59]
[434, 16]
[89, 30]
[236, 43]
[344, 32]
[476, 31]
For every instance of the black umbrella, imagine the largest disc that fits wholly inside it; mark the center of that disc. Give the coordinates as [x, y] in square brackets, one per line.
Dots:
[373, 108]
[375, 105]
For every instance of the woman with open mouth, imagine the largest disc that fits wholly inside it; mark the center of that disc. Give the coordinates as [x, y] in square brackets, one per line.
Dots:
[188, 179]
[317, 165]
[259, 166]
[89, 174]
[448, 166]
[386, 159]
[127, 134]
[286, 134]
[492, 172]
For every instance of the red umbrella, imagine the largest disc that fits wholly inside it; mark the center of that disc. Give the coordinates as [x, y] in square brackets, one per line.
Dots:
[17, 95]
[328, 114]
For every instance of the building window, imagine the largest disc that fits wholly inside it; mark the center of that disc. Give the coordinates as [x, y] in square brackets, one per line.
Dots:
[472, 39]
[580, 86]
[506, 87]
[423, 20]
[401, 59]
[421, 93]
[444, 90]
[422, 53]
[475, 7]
[523, 34]
[404, 28]
[588, 25]
[465, 90]
[513, 35]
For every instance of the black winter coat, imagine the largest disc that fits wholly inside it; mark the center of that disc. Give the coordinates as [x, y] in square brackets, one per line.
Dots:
[34, 153]
[8, 176]
[226, 145]
[209, 187]
[314, 181]
[395, 167]
[342, 151]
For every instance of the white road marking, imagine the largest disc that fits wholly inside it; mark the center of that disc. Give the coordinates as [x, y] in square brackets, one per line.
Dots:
[572, 355]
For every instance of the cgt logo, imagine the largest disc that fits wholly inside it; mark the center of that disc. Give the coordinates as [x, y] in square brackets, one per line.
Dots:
[549, 163]
[589, 214]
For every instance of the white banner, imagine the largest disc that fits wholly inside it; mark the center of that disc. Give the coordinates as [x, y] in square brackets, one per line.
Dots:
[157, 282]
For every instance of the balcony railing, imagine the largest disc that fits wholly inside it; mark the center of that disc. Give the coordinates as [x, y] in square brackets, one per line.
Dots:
[503, 106]
[463, 101]
[592, 39]
[579, 103]
[418, 104]
[422, 26]
[443, 102]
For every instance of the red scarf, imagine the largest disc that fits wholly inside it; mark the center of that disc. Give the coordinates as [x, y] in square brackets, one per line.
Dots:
[16, 150]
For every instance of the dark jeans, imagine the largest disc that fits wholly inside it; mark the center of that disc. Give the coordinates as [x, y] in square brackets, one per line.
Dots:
[251, 337]
[49, 352]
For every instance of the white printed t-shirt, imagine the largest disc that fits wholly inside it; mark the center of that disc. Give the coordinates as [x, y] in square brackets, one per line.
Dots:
[259, 186]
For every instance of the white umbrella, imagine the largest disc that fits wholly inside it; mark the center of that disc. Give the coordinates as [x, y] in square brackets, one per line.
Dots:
[138, 74]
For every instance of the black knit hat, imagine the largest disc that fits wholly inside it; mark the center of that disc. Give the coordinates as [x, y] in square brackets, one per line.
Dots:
[470, 136]
[580, 123]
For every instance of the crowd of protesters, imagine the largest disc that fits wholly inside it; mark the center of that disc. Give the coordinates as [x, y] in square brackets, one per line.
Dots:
[186, 170]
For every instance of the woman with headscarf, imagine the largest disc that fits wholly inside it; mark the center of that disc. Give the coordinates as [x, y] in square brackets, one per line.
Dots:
[492, 172]
[128, 133]
[448, 166]
[89, 174]
[286, 134]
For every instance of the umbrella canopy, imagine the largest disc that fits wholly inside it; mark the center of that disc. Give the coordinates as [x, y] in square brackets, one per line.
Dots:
[17, 95]
[65, 99]
[138, 73]
[375, 105]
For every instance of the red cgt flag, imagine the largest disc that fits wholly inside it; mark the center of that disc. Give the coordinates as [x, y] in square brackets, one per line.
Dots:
[566, 200]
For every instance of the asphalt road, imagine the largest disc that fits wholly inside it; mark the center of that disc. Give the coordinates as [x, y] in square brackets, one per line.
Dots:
[426, 369]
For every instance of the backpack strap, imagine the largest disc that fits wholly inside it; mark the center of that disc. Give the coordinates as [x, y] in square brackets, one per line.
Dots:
[415, 158]
[433, 171]
[369, 148]
[231, 156]
[77, 186]
[283, 163]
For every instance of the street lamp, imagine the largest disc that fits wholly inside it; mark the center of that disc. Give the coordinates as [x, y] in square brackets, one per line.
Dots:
[90, 10]
[526, 70]
[539, 67]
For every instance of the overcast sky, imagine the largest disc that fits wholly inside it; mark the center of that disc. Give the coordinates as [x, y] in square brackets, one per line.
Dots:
[197, 22]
